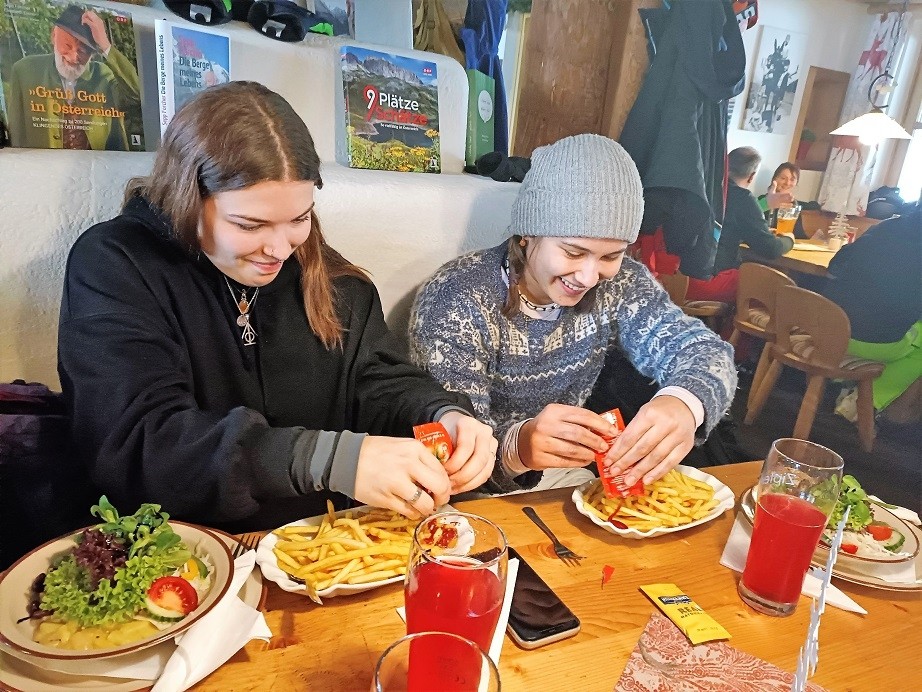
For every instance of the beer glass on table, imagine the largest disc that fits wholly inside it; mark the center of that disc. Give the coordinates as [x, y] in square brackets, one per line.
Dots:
[787, 217]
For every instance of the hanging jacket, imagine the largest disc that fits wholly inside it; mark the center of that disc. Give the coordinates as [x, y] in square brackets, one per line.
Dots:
[676, 131]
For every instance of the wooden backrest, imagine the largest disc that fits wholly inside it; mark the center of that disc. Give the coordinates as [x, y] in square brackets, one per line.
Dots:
[676, 286]
[758, 288]
[810, 327]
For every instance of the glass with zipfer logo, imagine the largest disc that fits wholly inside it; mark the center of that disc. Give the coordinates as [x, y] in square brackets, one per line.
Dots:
[796, 493]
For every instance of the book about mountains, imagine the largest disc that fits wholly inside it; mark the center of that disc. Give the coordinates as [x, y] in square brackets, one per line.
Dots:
[188, 61]
[392, 111]
[70, 76]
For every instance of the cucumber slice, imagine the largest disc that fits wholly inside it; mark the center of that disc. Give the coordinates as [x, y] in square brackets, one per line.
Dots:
[161, 613]
[895, 542]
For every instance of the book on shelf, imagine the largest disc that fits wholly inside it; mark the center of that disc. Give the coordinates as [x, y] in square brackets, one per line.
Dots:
[392, 111]
[188, 61]
[481, 122]
[70, 76]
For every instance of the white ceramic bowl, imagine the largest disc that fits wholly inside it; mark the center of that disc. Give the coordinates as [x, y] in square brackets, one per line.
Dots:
[722, 494]
[16, 582]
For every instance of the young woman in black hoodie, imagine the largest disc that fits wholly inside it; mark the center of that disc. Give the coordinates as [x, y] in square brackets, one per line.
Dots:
[219, 358]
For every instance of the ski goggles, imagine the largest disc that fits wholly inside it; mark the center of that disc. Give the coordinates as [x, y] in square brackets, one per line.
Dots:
[283, 20]
[207, 12]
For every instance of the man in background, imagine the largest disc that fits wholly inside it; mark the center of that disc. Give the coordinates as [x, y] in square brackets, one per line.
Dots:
[44, 87]
[744, 222]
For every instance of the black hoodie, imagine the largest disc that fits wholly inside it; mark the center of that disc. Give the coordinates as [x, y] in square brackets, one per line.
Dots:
[169, 406]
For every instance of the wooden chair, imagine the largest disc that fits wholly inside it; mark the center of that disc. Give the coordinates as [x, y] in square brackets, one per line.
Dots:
[811, 335]
[708, 311]
[755, 308]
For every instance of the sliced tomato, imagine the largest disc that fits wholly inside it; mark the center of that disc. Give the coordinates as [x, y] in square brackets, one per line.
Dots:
[849, 548]
[173, 594]
[880, 532]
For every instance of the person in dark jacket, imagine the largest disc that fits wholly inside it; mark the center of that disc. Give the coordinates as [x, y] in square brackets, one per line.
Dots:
[744, 222]
[877, 280]
[220, 359]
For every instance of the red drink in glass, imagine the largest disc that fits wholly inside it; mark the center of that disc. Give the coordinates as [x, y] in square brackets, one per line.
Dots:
[450, 596]
[784, 535]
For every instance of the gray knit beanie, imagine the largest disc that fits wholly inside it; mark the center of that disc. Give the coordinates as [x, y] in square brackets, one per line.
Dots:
[585, 186]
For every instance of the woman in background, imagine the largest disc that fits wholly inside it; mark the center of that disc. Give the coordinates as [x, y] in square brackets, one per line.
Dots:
[220, 359]
[524, 329]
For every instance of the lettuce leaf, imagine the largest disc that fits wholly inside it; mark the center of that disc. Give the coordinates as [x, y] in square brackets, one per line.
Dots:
[851, 495]
[113, 600]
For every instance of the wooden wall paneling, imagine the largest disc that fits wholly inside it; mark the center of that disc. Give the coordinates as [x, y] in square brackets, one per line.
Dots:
[565, 68]
[627, 68]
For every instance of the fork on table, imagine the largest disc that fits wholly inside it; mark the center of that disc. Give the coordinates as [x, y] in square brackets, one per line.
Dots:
[247, 541]
[563, 552]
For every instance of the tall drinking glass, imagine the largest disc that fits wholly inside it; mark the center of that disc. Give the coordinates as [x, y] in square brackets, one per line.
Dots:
[456, 664]
[795, 495]
[456, 577]
[787, 217]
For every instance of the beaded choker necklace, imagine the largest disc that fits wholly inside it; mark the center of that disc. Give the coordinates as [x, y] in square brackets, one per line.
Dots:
[550, 307]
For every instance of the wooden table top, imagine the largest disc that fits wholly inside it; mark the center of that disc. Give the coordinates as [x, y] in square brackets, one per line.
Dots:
[335, 646]
[802, 261]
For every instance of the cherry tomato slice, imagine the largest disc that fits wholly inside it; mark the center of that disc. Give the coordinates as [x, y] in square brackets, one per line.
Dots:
[173, 593]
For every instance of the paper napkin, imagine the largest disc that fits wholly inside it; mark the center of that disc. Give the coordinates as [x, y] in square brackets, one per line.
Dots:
[665, 660]
[216, 637]
[734, 557]
[496, 646]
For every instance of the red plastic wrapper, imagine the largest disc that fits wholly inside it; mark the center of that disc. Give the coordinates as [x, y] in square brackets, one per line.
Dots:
[436, 439]
[614, 484]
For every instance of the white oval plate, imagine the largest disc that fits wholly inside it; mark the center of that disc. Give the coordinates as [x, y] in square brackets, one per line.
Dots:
[19, 671]
[723, 495]
[908, 552]
[15, 583]
[268, 563]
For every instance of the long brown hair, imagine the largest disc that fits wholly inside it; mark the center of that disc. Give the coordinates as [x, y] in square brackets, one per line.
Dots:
[515, 253]
[230, 137]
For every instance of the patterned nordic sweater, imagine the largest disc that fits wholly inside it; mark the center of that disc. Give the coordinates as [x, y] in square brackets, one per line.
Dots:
[511, 369]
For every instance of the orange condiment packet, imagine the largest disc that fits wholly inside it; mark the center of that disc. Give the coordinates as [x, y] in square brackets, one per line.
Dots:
[614, 484]
[436, 439]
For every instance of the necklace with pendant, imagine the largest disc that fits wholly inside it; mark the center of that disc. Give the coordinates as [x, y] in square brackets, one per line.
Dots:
[244, 305]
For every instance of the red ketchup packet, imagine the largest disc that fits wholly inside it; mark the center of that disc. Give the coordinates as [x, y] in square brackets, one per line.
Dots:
[613, 484]
[436, 439]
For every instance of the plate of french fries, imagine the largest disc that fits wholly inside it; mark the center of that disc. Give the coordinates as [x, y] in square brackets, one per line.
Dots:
[338, 553]
[683, 498]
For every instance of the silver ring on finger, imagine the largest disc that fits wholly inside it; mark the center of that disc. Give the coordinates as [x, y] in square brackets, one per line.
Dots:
[418, 494]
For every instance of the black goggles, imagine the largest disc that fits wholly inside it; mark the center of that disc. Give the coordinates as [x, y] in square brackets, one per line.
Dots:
[283, 20]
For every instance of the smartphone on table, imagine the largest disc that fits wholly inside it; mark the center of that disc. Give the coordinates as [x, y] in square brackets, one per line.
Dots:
[537, 615]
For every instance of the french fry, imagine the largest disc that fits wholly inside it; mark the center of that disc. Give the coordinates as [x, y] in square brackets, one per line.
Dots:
[673, 500]
[356, 548]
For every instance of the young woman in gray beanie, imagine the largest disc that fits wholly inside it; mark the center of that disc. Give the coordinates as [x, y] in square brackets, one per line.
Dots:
[523, 328]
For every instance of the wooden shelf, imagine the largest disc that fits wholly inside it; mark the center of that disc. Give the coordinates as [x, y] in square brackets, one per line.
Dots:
[824, 94]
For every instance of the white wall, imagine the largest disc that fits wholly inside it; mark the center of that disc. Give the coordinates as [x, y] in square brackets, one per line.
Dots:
[836, 31]
[399, 226]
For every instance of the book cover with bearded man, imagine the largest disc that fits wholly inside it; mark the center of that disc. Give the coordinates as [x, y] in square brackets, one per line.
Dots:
[70, 76]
